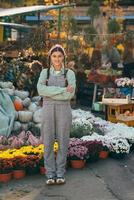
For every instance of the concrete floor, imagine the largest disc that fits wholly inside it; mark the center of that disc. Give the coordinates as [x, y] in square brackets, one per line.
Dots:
[103, 180]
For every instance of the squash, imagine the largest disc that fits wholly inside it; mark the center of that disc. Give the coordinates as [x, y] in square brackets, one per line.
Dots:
[9, 91]
[18, 105]
[33, 107]
[22, 94]
[25, 116]
[26, 102]
[16, 115]
[37, 116]
[7, 84]
[24, 126]
[16, 126]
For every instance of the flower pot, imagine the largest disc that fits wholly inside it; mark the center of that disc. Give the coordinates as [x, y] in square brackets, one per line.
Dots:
[18, 174]
[4, 178]
[103, 154]
[77, 164]
[42, 170]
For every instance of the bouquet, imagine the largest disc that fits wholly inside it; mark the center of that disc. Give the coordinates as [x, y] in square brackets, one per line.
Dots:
[5, 165]
[77, 150]
[124, 82]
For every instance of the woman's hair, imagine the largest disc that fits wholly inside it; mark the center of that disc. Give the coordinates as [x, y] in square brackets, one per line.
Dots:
[56, 48]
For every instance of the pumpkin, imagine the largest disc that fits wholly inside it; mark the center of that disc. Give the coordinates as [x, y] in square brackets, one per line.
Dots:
[26, 102]
[37, 116]
[33, 107]
[24, 126]
[7, 84]
[18, 105]
[22, 94]
[25, 116]
[16, 115]
[16, 126]
[9, 91]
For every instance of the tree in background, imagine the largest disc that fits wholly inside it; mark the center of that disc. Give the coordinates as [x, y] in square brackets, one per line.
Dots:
[113, 26]
[94, 10]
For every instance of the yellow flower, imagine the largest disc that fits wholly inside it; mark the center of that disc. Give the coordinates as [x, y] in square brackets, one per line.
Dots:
[120, 47]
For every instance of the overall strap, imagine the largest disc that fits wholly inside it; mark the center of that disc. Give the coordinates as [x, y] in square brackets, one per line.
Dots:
[48, 74]
[65, 76]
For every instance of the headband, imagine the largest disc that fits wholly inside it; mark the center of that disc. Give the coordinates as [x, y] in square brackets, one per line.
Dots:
[57, 46]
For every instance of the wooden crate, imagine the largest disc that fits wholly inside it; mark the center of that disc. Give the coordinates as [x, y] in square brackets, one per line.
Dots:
[113, 109]
[116, 100]
[128, 123]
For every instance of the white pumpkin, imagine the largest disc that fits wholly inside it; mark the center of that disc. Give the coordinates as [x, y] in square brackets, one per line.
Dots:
[24, 126]
[16, 115]
[25, 116]
[26, 102]
[9, 91]
[33, 107]
[16, 126]
[7, 84]
[36, 98]
[38, 125]
[37, 116]
[22, 94]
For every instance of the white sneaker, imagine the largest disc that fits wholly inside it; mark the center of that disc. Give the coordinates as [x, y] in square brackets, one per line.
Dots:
[60, 180]
[50, 181]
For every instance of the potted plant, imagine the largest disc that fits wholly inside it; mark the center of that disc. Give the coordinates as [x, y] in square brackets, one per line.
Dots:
[119, 148]
[77, 153]
[126, 85]
[32, 166]
[104, 152]
[5, 170]
[41, 165]
[94, 148]
[19, 165]
[105, 149]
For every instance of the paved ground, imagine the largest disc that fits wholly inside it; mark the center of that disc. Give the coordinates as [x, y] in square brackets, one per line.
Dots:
[103, 180]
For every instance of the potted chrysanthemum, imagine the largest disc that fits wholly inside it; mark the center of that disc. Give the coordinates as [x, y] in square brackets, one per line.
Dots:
[119, 148]
[5, 170]
[77, 153]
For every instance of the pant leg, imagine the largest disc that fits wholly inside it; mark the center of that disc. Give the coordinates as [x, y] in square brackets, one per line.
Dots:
[48, 135]
[63, 126]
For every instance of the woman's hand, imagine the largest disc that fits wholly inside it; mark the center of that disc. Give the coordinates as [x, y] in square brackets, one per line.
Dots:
[70, 89]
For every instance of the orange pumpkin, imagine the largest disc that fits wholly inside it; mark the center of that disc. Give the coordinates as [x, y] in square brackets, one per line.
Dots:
[18, 105]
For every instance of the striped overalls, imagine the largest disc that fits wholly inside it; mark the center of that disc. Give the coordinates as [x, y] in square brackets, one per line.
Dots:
[56, 124]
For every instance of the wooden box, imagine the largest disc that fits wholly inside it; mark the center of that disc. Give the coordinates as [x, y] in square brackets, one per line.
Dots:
[116, 100]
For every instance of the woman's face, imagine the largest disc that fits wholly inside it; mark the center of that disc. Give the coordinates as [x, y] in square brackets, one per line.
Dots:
[57, 59]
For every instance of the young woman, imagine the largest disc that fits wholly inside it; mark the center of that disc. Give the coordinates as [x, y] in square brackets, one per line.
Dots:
[57, 86]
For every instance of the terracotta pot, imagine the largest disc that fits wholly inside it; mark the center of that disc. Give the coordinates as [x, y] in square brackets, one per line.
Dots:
[77, 164]
[18, 174]
[4, 178]
[103, 154]
[42, 170]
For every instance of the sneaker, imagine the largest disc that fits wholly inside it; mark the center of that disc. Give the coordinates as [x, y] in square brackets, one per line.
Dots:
[60, 180]
[50, 181]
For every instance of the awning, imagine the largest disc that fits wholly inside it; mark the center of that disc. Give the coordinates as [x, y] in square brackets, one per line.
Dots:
[28, 9]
